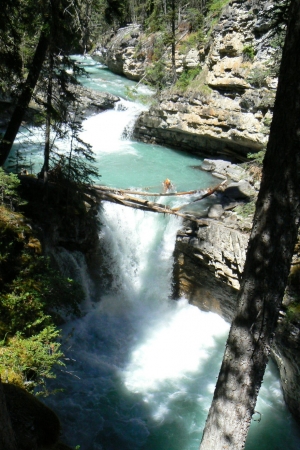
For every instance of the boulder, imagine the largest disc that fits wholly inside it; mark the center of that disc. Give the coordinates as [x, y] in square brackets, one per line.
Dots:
[215, 211]
[240, 191]
[36, 426]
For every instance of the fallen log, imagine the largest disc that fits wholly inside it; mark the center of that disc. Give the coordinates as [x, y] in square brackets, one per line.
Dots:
[142, 193]
[208, 191]
[146, 205]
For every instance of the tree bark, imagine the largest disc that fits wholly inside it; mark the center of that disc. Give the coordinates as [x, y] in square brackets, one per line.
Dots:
[269, 255]
[24, 98]
[173, 18]
[45, 169]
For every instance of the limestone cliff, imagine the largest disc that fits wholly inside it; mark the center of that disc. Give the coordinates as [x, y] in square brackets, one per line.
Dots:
[209, 262]
[120, 53]
[228, 107]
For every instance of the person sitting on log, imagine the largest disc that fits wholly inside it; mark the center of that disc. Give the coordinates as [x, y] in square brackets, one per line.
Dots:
[167, 185]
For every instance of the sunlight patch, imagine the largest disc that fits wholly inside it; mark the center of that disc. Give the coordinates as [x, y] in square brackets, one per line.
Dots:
[179, 343]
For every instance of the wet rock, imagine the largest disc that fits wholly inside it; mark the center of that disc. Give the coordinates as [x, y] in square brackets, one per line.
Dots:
[92, 102]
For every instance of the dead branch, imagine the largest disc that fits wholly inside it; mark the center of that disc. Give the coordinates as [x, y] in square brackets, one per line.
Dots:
[208, 192]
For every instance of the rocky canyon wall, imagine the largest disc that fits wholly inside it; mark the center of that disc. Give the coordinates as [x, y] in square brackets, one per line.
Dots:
[226, 111]
[209, 262]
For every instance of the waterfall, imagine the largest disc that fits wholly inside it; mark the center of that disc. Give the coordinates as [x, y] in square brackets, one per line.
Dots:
[73, 265]
[137, 354]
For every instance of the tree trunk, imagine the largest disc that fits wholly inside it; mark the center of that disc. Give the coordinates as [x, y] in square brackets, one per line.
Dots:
[24, 98]
[45, 169]
[269, 255]
[173, 18]
[7, 437]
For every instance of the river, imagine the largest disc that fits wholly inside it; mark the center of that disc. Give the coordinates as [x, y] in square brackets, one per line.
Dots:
[141, 368]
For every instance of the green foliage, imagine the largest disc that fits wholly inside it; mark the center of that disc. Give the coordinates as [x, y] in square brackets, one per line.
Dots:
[33, 298]
[293, 312]
[155, 21]
[186, 77]
[248, 53]
[37, 291]
[192, 41]
[257, 157]
[213, 12]
[216, 6]
[157, 74]
[246, 209]
[9, 184]
[74, 166]
[28, 362]
[116, 12]
[133, 94]
[257, 76]
[195, 19]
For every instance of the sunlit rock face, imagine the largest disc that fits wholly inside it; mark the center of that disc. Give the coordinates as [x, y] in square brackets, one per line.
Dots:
[121, 54]
[228, 108]
[209, 263]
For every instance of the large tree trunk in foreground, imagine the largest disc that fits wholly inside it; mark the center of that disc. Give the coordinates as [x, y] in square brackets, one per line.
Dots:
[269, 255]
[24, 98]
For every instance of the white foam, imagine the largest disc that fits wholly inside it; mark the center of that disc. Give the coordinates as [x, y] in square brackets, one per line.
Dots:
[177, 344]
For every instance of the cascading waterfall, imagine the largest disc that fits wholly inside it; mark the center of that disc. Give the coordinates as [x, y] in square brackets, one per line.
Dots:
[141, 368]
[138, 356]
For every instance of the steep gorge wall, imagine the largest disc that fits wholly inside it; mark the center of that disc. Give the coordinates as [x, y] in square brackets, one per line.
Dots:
[228, 108]
[209, 263]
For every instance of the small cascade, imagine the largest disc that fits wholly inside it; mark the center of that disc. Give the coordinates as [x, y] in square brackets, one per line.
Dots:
[109, 131]
[141, 368]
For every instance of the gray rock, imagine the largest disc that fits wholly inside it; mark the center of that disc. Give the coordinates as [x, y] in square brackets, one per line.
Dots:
[208, 165]
[94, 102]
[240, 191]
[236, 173]
[215, 211]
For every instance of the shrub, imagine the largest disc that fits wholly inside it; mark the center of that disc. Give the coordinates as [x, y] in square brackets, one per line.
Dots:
[33, 298]
[246, 209]
[186, 77]
[257, 76]
[248, 53]
[9, 184]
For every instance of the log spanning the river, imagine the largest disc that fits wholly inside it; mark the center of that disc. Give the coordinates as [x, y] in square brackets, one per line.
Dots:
[127, 197]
